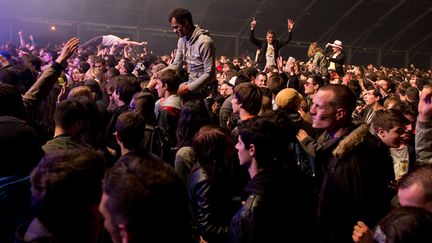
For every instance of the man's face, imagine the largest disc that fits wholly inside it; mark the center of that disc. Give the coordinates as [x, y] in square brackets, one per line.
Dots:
[260, 80]
[413, 81]
[98, 68]
[394, 137]
[161, 88]
[178, 28]
[242, 152]
[383, 84]
[235, 105]
[370, 98]
[109, 225]
[76, 75]
[323, 114]
[309, 87]
[225, 90]
[269, 38]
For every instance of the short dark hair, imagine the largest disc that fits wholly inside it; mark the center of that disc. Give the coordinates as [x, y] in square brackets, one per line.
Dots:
[249, 96]
[69, 112]
[265, 136]
[405, 224]
[171, 79]
[343, 97]
[126, 87]
[181, 15]
[317, 79]
[149, 197]
[11, 103]
[388, 119]
[271, 32]
[65, 188]
[144, 104]
[130, 128]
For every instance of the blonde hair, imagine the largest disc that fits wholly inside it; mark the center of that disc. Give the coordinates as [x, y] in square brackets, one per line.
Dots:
[314, 48]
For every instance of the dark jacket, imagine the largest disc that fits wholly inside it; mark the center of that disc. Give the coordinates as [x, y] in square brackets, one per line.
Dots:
[339, 61]
[213, 204]
[274, 211]
[262, 45]
[357, 171]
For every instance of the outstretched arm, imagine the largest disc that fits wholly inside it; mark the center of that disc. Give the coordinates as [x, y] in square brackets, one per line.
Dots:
[252, 37]
[41, 88]
[290, 25]
[22, 42]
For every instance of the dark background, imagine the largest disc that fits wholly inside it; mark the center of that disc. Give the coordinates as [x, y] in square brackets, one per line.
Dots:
[393, 33]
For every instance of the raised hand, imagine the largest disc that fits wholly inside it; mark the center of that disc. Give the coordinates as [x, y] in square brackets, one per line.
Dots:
[253, 23]
[68, 49]
[290, 24]
[425, 105]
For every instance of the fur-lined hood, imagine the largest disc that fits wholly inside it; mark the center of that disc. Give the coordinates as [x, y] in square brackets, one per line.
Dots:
[349, 142]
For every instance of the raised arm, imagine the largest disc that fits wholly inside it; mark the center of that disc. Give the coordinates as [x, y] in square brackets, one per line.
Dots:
[252, 37]
[41, 88]
[22, 42]
[423, 141]
[290, 26]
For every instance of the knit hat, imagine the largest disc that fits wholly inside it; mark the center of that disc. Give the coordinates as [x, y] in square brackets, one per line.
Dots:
[288, 99]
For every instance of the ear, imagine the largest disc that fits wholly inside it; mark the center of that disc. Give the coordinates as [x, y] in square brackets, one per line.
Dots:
[252, 150]
[123, 233]
[340, 114]
[117, 137]
[381, 132]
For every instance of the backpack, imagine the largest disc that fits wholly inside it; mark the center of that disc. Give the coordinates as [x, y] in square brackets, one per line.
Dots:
[156, 141]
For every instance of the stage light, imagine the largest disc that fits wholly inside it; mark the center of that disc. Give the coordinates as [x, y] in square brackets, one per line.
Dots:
[52, 27]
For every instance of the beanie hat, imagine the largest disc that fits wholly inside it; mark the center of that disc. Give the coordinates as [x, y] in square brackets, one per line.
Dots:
[288, 99]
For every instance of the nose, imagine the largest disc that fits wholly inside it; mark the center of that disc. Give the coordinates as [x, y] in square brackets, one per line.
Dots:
[312, 110]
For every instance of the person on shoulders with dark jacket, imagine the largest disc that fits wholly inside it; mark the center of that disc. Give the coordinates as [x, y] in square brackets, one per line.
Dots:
[270, 47]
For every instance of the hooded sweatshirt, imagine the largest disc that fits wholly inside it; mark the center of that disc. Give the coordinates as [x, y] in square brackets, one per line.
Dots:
[199, 54]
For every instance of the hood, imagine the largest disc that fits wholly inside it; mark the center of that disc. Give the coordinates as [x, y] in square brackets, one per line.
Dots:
[270, 181]
[349, 142]
[197, 32]
[173, 101]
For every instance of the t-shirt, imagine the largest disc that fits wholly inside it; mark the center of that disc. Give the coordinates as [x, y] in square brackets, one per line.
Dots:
[110, 40]
[270, 56]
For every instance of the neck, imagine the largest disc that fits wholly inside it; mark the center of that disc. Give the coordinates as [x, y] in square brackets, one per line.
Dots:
[253, 168]
[58, 131]
[190, 32]
[244, 115]
[336, 132]
[376, 106]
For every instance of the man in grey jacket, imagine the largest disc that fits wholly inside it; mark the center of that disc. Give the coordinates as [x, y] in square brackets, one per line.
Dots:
[195, 48]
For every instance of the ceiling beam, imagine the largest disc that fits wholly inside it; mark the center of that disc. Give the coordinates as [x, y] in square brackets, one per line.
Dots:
[243, 30]
[369, 30]
[300, 17]
[326, 35]
[143, 18]
[203, 13]
[401, 32]
[418, 43]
